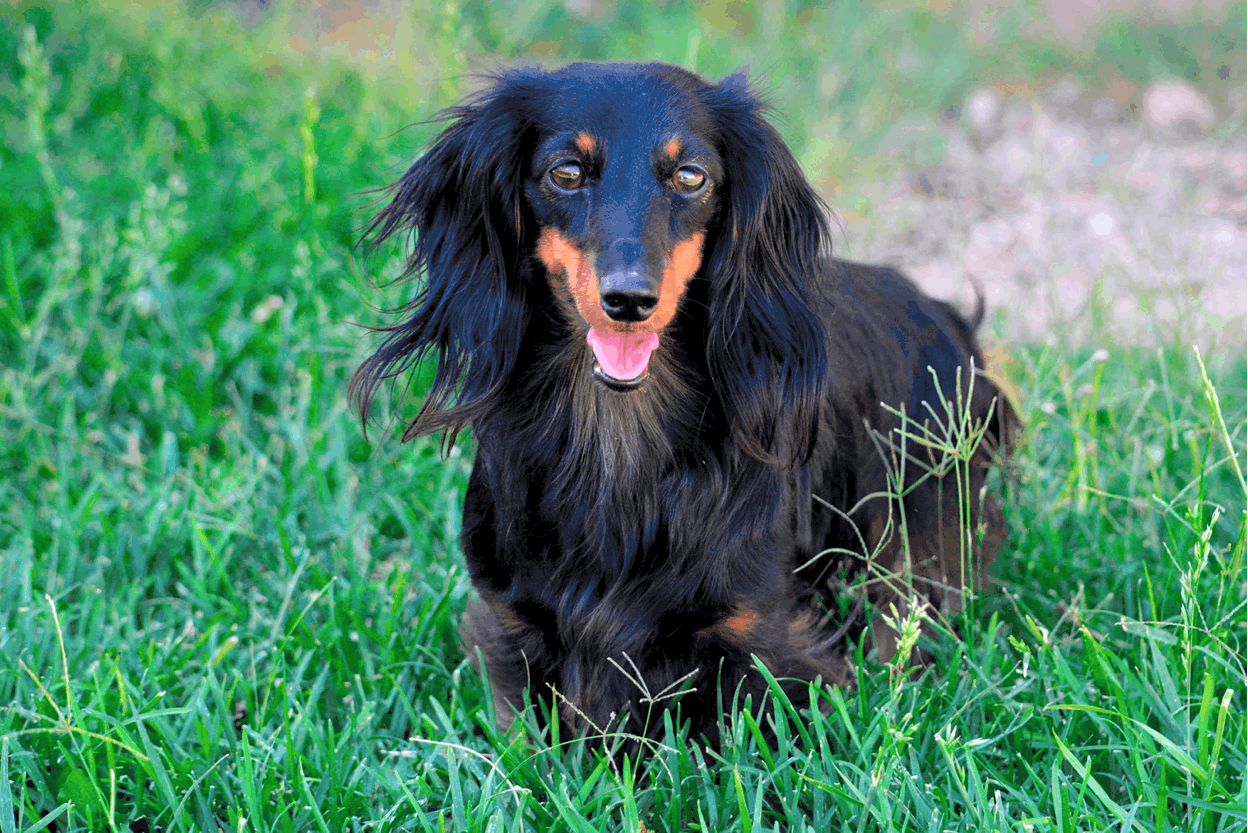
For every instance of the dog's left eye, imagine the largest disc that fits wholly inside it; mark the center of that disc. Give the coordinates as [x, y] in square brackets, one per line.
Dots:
[567, 175]
[688, 180]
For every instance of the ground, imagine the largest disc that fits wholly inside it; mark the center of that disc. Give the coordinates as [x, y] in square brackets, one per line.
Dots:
[1077, 214]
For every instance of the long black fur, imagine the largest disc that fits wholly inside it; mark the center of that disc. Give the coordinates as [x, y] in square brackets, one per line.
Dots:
[628, 543]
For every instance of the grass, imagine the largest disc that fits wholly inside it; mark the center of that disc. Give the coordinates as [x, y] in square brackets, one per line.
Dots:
[224, 609]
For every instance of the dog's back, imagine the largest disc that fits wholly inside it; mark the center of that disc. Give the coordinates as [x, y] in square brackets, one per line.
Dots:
[913, 422]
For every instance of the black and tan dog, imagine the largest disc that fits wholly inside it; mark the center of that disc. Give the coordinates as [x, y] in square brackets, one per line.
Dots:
[625, 279]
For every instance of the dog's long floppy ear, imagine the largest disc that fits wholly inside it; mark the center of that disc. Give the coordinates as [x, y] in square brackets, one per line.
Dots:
[463, 201]
[766, 345]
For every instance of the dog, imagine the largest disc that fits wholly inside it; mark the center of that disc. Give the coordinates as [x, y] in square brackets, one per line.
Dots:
[695, 428]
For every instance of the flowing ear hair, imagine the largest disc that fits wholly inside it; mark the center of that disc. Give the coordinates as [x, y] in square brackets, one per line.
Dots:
[463, 202]
[766, 344]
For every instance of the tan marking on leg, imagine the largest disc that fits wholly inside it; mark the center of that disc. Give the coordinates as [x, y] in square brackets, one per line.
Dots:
[739, 623]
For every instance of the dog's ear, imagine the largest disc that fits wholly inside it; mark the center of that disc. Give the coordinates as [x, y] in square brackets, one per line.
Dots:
[766, 344]
[464, 202]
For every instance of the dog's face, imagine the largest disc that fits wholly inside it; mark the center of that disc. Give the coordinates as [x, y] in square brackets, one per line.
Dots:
[622, 185]
[652, 203]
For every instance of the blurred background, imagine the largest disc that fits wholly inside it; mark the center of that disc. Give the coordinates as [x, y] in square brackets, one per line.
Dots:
[1083, 161]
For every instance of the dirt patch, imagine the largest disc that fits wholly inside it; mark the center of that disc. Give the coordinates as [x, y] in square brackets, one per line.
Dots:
[1081, 217]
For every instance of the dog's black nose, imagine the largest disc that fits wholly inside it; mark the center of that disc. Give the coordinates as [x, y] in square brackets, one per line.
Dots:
[628, 304]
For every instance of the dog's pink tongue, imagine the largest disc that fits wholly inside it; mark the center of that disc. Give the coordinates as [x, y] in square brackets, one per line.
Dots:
[623, 356]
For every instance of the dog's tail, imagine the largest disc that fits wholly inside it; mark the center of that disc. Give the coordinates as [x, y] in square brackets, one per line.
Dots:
[976, 318]
[1000, 368]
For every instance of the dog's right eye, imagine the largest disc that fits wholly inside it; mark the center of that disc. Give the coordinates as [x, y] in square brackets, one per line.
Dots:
[688, 180]
[567, 175]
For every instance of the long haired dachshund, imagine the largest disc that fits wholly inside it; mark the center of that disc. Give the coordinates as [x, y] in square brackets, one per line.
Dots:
[693, 424]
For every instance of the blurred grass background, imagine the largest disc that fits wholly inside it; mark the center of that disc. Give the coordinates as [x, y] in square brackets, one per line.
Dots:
[223, 609]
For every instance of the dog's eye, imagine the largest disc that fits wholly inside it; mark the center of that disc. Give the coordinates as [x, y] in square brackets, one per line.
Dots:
[567, 175]
[688, 180]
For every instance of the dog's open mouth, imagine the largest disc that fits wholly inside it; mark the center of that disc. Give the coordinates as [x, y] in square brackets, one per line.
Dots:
[621, 359]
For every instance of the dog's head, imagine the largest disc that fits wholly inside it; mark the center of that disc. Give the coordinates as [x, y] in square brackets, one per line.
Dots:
[618, 187]
[623, 184]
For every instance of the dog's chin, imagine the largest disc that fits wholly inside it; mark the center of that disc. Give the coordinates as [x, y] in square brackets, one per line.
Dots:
[622, 385]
